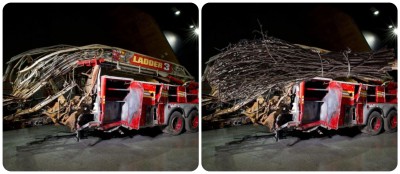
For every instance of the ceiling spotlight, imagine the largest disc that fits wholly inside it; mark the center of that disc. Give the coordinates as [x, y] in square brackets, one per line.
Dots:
[390, 26]
[196, 31]
[394, 31]
[177, 13]
[376, 12]
[191, 26]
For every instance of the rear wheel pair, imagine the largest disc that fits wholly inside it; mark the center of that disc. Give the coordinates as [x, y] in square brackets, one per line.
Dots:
[177, 122]
[376, 123]
[391, 122]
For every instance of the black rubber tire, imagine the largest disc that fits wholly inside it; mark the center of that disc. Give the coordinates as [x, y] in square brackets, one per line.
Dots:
[176, 123]
[373, 119]
[389, 125]
[192, 121]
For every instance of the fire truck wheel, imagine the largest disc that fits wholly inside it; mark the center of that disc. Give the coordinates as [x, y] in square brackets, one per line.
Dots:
[391, 121]
[375, 123]
[176, 123]
[192, 122]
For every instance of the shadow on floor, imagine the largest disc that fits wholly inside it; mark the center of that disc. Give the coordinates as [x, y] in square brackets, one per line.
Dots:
[61, 139]
[289, 138]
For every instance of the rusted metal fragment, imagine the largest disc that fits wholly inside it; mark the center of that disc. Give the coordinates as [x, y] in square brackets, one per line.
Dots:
[55, 111]
[40, 105]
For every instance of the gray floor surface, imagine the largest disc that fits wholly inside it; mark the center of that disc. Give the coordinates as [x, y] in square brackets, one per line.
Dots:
[141, 152]
[249, 148]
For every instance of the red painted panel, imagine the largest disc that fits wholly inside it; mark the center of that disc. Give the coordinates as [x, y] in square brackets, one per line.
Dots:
[111, 125]
[164, 94]
[347, 102]
[310, 125]
[149, 62]
[341, 118]
[91, 62]
[149, 99]
[363, 94]
[135, 123]
[181, 93]
[301, 100]
[380, 94]
[347, 94]
[143, 115]
[357, 93]
[149, 94]
[391, 92]
[160, 113]
[159, 94]
[360, 111]
[334, 121]
[103, 98]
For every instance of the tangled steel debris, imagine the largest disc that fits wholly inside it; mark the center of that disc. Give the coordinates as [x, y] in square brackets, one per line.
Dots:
[49, 67]
[66, 87]
[265, 68]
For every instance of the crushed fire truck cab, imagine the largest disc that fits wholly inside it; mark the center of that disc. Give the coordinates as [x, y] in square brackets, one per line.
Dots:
[125, 102]
[322, 102]
[137, 104]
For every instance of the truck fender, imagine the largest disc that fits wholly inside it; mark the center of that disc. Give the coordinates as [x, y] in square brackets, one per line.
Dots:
[192, 109]
[373, 110]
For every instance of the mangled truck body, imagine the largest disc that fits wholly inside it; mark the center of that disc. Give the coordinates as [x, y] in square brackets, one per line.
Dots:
[331, 104]
[286, 86]
[101, 87]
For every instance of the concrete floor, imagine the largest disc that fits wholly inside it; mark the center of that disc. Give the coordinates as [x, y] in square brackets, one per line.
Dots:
[343, 151]
[143, 151]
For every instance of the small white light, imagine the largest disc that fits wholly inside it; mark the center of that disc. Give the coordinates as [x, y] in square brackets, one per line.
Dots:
[394, 31]
[376, 12]
[191, 26]
[177, 13]
[196, 31]
[390, 26]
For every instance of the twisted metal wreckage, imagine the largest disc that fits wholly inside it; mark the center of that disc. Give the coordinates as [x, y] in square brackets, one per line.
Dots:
[253, 79]
[58, 82]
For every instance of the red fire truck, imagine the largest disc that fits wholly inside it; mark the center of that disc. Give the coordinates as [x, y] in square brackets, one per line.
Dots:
[322, 102]
[132, 104]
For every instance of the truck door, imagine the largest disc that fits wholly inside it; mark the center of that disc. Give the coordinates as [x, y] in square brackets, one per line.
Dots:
[357, 116]
[148, 105]
[347, 116]
[132, 109]
[330, 109]
[160, 104]
[360, 101]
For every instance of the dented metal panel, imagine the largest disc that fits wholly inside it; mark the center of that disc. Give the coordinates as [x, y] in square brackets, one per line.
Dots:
[134, 105]
[331, 107]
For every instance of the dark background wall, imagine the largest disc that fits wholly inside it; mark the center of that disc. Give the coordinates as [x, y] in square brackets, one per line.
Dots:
[136, 27]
